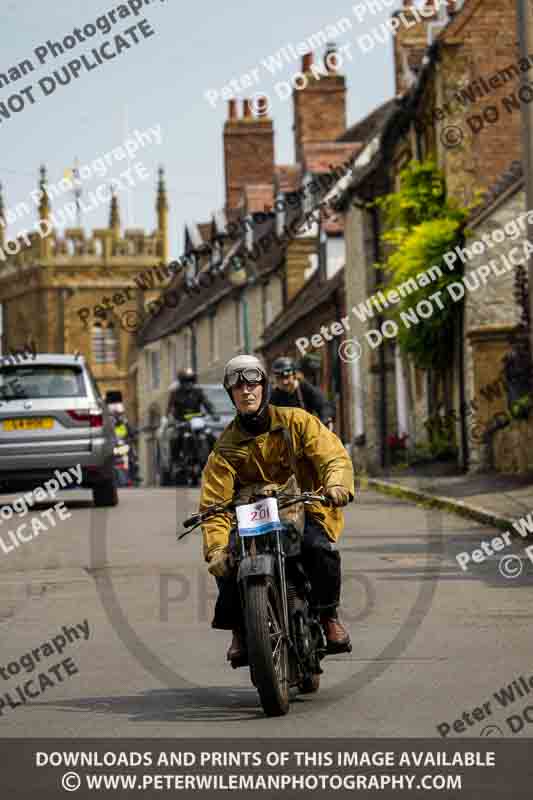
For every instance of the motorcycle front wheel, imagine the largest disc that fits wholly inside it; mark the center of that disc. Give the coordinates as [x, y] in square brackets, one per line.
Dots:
[268, 652]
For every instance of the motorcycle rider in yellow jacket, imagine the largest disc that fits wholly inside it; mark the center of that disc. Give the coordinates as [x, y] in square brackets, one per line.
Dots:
[253, 449]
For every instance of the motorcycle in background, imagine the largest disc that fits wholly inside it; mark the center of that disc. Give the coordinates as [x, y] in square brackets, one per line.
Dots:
[194, 442]
[125, 461]
[121, 451]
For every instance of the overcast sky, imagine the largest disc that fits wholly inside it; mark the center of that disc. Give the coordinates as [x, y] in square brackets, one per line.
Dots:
[162, 81]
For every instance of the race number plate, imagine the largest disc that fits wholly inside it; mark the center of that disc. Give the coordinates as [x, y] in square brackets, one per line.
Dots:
[256, 519]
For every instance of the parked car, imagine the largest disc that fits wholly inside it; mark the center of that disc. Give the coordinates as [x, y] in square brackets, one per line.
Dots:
[224, 413]
[52, 416]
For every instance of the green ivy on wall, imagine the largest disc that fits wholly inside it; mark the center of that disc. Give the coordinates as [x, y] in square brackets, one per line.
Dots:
[422, 224]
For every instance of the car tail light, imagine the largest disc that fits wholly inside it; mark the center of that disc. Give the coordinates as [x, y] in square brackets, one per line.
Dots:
[94, 418]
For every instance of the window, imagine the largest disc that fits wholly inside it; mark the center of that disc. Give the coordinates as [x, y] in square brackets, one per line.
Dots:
[98, 343]
[280, 214]
[249, 223]
[313, 266]
[111, 344]
[155, 369]
[188, 344]
[266, 303]
[335, 255]
[191, 269]
[41, 381]
[213, 339]
[238, 324]
[172, 359]
[174, 365]
[105, 343]
[309, 202]
[147, 367]
[216, 254]
[218, 397]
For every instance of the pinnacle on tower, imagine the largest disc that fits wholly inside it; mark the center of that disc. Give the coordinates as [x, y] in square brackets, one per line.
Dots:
[44, 203]
[162, 214]
[114, 214]
[162, 204]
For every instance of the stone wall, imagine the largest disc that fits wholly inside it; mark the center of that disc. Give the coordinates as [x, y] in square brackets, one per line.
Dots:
[512, 448]
[360, 283]
[491, 315]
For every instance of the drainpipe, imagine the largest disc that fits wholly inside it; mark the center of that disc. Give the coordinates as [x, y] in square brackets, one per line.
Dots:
[194, 351]
[381, 349]
[525, 42]
[338, 365]
[465, 450]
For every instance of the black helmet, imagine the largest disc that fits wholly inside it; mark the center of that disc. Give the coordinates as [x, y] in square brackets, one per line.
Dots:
[309, 363]
[187, 375]
[283, 365]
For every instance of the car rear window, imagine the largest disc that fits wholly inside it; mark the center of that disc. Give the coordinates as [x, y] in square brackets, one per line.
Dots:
[37, 381]
[219, 400]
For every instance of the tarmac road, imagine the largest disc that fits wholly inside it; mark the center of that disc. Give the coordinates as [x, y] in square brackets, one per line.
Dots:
[431, 642]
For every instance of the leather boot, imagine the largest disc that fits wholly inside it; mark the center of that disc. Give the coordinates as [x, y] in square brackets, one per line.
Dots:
[337, 637]
[237, 650]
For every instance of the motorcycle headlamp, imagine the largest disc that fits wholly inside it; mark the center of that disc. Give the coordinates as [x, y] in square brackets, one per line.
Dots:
[251, 375]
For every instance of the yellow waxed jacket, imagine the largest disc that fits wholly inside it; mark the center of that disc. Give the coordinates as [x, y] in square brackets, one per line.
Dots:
[239, 459]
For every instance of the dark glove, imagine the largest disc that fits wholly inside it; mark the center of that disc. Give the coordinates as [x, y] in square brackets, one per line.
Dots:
[219, 565]
[339, 495]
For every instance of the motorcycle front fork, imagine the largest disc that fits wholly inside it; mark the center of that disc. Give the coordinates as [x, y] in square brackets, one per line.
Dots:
[280, 557]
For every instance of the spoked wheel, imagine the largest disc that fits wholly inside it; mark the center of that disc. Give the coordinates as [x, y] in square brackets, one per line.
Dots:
[268, 652]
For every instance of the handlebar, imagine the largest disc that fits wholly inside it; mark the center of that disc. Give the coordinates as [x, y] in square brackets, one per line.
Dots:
[218, 508]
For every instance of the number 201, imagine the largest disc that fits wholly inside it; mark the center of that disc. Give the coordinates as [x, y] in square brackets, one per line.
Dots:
[263, 513]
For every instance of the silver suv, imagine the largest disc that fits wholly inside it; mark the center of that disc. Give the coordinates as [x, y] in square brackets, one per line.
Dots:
[52, 416]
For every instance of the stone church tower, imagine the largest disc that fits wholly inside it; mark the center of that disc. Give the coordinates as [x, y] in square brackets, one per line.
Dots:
[78, 293]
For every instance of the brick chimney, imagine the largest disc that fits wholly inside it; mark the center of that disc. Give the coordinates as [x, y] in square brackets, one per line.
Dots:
[410, 40]
[319, 104]
[248, 151]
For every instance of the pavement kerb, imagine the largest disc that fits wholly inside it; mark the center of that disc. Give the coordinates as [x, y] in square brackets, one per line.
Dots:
[426, 500]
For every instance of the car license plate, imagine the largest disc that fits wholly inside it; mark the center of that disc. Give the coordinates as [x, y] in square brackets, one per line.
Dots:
[32, 424]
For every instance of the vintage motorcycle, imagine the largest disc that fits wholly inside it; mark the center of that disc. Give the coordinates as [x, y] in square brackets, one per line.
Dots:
[121, 452]
[195, 440]
[284, 638]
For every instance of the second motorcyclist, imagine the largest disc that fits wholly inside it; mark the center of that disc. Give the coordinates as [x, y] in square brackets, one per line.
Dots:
[292, 392]
[187, 398]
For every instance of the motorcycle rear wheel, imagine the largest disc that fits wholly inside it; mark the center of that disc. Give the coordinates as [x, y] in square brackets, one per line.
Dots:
[268, 652]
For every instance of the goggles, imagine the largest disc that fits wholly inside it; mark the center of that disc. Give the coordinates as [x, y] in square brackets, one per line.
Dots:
[251, 375]
[285, 374]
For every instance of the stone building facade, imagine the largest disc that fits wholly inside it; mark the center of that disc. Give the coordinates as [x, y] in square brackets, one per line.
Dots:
[447, 74]
[230, 316]
[492, 313]
[54, 291]
[205, 342]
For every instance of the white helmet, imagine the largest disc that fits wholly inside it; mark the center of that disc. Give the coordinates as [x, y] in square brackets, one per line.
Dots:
[250, 368]
[237, 366]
